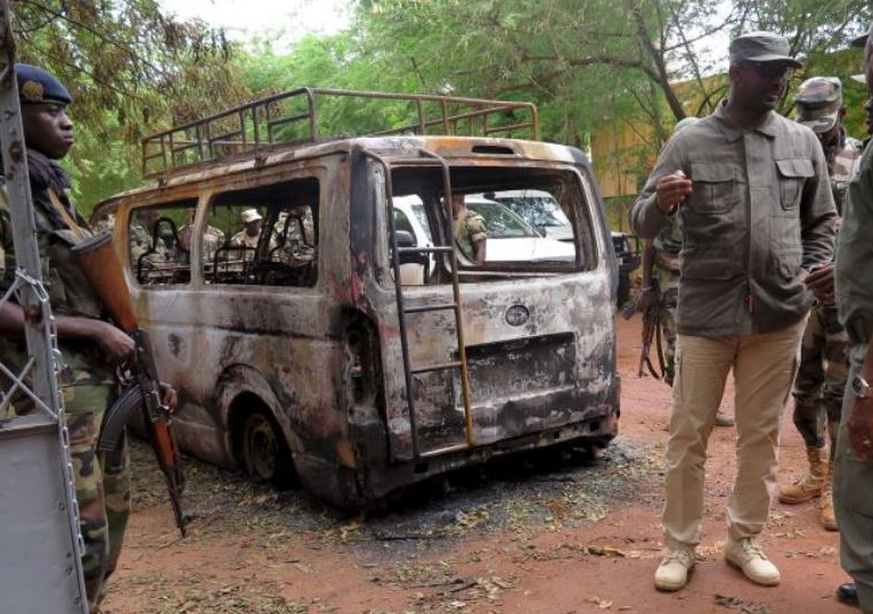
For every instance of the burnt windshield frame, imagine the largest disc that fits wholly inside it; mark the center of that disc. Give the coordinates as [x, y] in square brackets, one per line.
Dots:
[426, 183]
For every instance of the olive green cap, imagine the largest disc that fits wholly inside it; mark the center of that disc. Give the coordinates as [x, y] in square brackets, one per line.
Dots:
[818, 103]
[761, 47]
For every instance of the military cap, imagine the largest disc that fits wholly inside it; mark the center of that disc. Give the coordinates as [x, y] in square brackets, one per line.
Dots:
[818, 102]
[250, 215]
[761, 47]
[36, 84]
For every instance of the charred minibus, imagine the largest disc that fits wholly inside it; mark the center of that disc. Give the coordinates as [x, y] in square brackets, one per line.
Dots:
[310, 333]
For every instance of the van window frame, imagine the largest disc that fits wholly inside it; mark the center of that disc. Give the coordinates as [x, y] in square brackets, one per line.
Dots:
[587, 244]
[214, 195]
[130, 213]
[205, 193]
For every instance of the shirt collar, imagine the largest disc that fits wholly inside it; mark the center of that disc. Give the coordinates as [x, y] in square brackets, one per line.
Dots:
[733, 131]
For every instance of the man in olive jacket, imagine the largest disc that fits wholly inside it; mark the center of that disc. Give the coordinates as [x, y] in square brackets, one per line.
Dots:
[752, 191]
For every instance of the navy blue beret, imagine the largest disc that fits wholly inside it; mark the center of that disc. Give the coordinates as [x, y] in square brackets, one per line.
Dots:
[36, 84]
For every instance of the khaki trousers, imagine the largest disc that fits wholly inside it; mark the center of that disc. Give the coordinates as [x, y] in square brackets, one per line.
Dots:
[764, 367]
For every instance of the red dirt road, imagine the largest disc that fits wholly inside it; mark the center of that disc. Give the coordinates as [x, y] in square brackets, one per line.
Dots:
[602, 563]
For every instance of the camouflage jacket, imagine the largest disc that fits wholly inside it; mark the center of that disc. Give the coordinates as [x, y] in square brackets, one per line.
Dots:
[69, 291]
[842, 167]
[141, 244]
[469, 227]
[668, 244]
[243, 239]
[298, 245]
[213, 239]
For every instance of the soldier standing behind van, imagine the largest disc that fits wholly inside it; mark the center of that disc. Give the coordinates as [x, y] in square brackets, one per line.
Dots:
[248, 237]
[297, 246]
[469, 230]
[824, 358]
[212, 239]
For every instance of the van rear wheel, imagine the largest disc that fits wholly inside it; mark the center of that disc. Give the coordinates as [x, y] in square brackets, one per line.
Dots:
[265, 452]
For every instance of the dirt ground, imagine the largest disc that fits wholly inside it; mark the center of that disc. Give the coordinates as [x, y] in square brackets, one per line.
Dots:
[550, 533]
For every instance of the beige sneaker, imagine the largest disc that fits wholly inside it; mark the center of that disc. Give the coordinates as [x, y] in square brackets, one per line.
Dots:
[672, 573]
[747, 556]
[722, 419]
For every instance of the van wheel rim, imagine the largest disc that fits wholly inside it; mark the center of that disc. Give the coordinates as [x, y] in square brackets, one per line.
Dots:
[260, 447]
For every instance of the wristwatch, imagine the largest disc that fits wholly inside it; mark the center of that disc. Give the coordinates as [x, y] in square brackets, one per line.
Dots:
[860, 387]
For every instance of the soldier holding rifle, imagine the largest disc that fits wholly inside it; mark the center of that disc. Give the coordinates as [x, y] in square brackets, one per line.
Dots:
[91, 345]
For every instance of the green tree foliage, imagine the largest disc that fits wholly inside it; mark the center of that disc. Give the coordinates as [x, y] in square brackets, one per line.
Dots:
[131, 69]
[587, 63]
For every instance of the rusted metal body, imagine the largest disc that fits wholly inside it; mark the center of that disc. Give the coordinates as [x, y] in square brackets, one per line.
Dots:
[326, 361]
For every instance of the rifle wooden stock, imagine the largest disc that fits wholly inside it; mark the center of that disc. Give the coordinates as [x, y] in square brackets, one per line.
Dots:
[100, 263]
[98, 259]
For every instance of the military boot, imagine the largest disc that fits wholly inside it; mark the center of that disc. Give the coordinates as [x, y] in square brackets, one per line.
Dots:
[827, 516]
[810, 485]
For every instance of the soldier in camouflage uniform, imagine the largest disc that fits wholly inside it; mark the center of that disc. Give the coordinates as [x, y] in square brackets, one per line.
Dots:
[141, 239]
[661, 264]
[824, 361]
[213, 239]
[89, 344]
[469, 230]
[249, 236]
[297, 246]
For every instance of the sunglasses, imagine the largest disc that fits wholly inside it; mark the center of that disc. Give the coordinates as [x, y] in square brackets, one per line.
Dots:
[771, 70]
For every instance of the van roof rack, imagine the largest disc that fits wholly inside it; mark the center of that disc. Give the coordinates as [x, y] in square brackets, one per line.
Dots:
[293, 118]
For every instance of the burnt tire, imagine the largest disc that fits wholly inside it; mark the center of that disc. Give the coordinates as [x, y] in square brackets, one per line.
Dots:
[265, 453]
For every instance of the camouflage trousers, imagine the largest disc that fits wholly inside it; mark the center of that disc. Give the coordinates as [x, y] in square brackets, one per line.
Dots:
[102, 482]
[669, 304]
[821, 378]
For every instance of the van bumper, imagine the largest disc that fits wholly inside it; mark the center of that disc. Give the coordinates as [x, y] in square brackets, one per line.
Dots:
[362, 487]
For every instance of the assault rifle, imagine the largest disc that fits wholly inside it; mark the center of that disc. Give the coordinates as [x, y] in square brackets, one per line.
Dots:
[142, 390]
[651, 331]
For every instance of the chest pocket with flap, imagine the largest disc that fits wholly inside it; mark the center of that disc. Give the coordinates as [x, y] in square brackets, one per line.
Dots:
[715, 187]
[793, 173]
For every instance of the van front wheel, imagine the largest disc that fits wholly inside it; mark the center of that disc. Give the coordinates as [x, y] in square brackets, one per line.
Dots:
[265, 453]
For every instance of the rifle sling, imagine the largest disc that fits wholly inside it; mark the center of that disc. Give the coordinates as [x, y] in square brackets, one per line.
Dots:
[71, 223]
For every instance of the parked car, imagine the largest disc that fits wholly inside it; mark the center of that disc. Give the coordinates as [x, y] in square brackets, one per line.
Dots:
[538, 209]
[542, 211]
[510, 239]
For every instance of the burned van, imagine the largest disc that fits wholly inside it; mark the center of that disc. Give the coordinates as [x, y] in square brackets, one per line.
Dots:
[321, 316]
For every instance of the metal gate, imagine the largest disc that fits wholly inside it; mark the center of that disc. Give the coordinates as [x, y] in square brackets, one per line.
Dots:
[40, 543]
